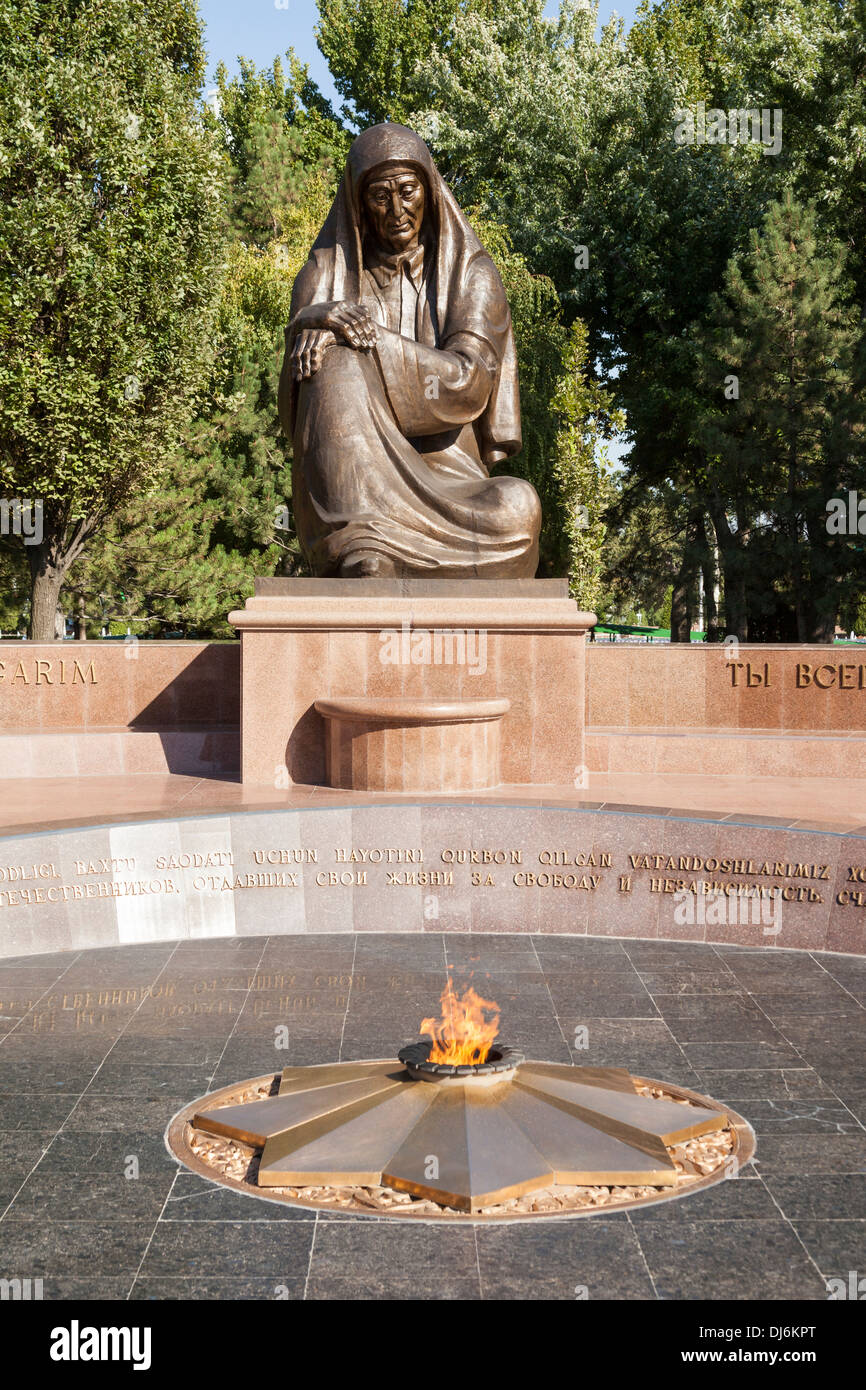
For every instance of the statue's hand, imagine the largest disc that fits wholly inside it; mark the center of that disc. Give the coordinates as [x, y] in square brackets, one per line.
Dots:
[350, 322]
[309, 348]
[353, 323]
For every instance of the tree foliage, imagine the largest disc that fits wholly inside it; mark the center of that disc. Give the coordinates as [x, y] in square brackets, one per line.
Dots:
[789, 431]
[221, 511]
[111, 247]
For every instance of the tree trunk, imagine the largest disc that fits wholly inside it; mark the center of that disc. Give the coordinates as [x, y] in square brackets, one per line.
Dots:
[50, 563]
[81, 622]
[821, 626]
[824, 632]
[736, 607]
[732, 546]
[681, 608]
[685, 583]
[46, 579]
[710, 571]
[801, 598]
[711, 621]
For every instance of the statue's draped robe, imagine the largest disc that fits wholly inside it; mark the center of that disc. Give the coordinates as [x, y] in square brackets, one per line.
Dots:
[392, 446]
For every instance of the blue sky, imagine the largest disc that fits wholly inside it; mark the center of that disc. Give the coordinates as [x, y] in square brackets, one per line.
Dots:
[263, 29]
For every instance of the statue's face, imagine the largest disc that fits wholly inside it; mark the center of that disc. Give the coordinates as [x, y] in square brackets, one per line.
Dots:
[395, 201]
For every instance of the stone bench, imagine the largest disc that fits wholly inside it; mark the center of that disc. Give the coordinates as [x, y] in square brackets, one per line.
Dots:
[405, 744]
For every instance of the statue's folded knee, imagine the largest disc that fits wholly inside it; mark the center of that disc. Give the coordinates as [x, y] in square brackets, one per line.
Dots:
[338, 382]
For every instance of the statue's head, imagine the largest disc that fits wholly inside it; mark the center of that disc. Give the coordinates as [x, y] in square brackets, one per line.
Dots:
[392, 178]
[394, 199]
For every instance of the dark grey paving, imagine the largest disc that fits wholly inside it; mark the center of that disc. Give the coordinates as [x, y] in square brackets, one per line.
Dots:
[196, 1199]
[105, 1046]
[679, 955]
[612, 1005]
[685, 981]
[743, 1056]
[736, 1199]
[397, 1287]
[837, 1247]
[837, 1197]
[367, 1259]
[829, 1000]
[729, 1260]
[77, 1151]
[788, 1083]
[148, 1079]
[803, 1027]
[64, 1287]
[35, 1075]
[716, 1023]
[170, 1048]
[597, 1258]
[98, 1113]
[203, 1249]
[796, 1116]
[87, 1196]
[19, 1150]
[148, 1289]
[812, 1153]
[22, 1111]
[655, 1065]
[858, 1109]
[92, 1251]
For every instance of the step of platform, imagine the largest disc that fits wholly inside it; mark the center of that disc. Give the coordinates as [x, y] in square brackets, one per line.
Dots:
[121, 752]
[727, 752]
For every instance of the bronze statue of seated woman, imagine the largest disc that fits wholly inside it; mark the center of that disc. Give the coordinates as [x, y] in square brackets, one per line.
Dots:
[399, 385]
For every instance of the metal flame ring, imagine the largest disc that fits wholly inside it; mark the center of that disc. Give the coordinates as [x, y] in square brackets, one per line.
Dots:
[415, 1057]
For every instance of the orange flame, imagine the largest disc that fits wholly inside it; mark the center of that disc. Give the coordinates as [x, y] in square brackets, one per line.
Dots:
[463, 1035]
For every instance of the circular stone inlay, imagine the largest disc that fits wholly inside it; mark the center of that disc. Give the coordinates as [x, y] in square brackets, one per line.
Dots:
[224, 1137]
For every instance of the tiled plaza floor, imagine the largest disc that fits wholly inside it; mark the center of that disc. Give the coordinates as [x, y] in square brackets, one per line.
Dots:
[101, 1048]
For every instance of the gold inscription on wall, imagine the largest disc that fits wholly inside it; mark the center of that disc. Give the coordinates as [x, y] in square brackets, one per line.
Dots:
[223, 883]
[36, 883]
[838, 675]
[285, 856]
[844, 675]
[37, 671]
[80, 892]
[853, 896]
[377, 855]
[482, 856]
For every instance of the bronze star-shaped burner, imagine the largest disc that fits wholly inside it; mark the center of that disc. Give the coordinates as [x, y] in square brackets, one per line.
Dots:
[463, 1144]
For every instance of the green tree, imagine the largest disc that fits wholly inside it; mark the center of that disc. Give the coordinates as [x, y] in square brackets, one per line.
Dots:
[111, 247]
[646, 561]
[567, 139]
[221, 512]
[185, 553]
[581, 470]
[374, 49]
[540, 341]
[282, 138]
[14, 588]
[787, 429]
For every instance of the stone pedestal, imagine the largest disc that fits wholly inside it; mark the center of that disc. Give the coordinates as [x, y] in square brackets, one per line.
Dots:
[410, 745]
[309, 640]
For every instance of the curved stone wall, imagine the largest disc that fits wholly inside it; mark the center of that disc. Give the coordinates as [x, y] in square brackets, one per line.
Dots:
[458, 867]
